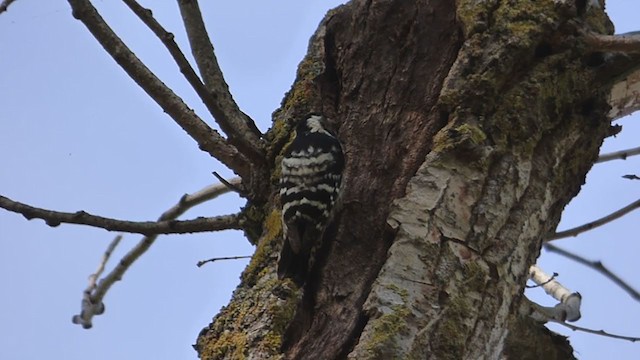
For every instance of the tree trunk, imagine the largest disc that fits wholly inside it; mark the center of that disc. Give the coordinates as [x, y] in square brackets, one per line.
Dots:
[467, 127]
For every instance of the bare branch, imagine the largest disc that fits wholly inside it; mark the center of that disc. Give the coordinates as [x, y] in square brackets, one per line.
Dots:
[190, 200]
[202, 262]
[92, 301]
[55, 218]
[625, 96]
[88, 307]
[540, 313]
[240, 128]
[248, 143]
[597, 266]
[5, 4]
[626, 43]
[620, 68]
[207, 138]
[568, 307]
[594, 224]
[597, 332]
[618, 155]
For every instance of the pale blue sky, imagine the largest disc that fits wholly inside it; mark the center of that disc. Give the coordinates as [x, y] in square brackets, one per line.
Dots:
[76, 133]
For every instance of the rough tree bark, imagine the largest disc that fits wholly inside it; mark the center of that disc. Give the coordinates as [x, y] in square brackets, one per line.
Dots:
[467, 127]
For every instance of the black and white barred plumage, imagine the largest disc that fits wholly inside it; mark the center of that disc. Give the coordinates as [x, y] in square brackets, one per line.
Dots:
[309, 189]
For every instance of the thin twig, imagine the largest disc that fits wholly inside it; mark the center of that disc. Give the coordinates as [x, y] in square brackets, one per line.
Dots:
[207, 138]
[202, 262]
[247, 143]
[240, 128]
[597, 332]
[88, 307]
[232, 187]
[621, 155]
[55, 218]
[594, 224]
[553, 277]
[96, 296]
[597, 266]
[5, 4]
[626, 43]
[631, 177]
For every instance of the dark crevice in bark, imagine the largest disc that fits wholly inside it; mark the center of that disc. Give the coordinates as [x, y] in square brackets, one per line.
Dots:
[354, 336]
[581, 7]
[329, 81]
[543, 50]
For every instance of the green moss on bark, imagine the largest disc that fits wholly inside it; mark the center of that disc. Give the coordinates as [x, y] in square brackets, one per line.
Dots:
[475, 277]
[448, 340]
[266, 248]
[388, 327]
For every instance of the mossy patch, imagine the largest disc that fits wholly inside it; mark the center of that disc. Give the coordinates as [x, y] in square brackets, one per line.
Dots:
[231, 345]
[252, 217]
[473, 15]
[388, 327]
[475, 276]
[266, 248]
[385, 329]
[448, 341]
[465, 135]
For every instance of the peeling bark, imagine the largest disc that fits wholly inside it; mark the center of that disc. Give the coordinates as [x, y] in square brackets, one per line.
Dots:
[467, 127]
[625, 96]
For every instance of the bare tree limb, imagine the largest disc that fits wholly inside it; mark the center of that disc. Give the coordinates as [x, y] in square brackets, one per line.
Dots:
[55, 218]
[620, 68]
[597, 266]
[625, 96]
[92, 301]
[219, 103]
[541, 314]
[569, 304]
[207, 138]
[208, 193]
[626, 43]
[240, 128]
[594, 224]
[621, 155]
[5, 4]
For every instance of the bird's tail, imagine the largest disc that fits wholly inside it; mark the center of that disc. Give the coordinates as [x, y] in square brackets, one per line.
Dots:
[292, 265]
[296, 265]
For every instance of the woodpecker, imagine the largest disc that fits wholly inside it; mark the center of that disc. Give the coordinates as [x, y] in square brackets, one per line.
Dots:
[309, 189]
